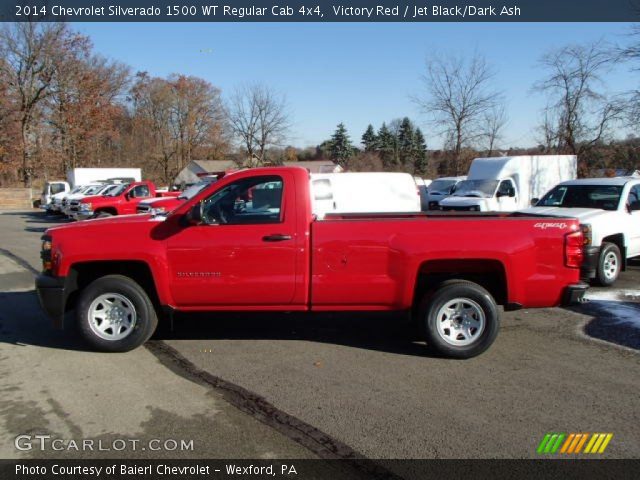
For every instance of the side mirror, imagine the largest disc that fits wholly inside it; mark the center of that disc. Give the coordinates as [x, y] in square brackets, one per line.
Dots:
[194, 215]
[633, 206]
[128, 196]
[534, 201]
[511, 192]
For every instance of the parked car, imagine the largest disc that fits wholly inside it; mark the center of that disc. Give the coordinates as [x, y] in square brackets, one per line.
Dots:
[440, 189]
[251, 242]
[609, 210]
[85, 191]
[122, 200]
[506, 184]
[85, 176]
[55, 203]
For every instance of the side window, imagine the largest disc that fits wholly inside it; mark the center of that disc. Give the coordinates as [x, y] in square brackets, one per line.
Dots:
[634, 197]
[57, 188]
[506, 188]
[141, 191]
[255, 200]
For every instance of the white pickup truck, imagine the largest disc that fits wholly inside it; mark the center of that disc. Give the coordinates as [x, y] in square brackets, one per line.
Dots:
[609, 210]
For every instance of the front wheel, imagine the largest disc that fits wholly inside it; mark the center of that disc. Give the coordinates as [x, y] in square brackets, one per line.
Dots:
[460, 319]
[115, 314]
[609, 264]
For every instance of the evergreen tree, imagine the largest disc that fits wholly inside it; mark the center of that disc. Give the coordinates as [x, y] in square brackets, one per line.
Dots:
[419, 153]
[341, 148]
[369, 139]
[406, 142]
[386, 146]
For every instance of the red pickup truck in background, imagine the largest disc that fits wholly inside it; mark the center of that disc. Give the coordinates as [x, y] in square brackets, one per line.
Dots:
[122, 201]
[250, 242]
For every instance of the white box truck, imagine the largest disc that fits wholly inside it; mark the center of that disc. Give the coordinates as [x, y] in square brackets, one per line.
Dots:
[84, 176]
[363, 192]
[506, 184]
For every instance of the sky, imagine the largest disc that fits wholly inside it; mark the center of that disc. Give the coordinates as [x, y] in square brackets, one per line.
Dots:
[355, 73]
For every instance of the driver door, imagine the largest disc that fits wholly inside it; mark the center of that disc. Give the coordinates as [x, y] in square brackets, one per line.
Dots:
[634, 223]
[507, 196]
[244, 253]
[135, 196]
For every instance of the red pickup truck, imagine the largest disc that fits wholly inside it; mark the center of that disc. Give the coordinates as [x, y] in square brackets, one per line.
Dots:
[121, 201]
[251, 242]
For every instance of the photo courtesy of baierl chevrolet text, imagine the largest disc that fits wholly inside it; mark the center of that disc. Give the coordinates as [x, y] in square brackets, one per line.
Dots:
[319, 240]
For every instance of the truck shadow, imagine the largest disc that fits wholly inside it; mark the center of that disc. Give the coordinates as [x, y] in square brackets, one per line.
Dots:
[38, 217]
[384, 332]
[23, 323]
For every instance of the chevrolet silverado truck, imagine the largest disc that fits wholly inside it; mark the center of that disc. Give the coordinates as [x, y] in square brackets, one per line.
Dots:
[609, 211]
[250, 242]
[121, 201]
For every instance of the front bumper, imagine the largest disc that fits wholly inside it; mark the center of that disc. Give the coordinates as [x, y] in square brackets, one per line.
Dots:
[574, 294]
[52, 293]
[590, 263]
[81, 215]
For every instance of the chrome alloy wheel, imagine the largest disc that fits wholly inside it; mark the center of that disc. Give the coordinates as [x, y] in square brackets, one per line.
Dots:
[610, 266]
[112, 316]
[460, 322]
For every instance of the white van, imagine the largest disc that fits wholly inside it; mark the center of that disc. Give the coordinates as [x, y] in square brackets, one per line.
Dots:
[506, 184]
[365, 192]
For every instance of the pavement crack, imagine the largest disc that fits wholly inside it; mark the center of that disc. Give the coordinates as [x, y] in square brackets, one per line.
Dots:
[19, 260]
[317, 441]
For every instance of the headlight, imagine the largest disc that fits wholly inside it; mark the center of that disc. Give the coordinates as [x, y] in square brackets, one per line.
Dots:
[85, 207]
[158, 211]
[586, 233]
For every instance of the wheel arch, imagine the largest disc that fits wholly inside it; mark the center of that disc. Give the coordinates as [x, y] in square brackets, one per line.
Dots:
[488, 273]
[82, 274]
[620, 241]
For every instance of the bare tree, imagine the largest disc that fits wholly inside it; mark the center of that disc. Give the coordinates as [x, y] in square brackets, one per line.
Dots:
[458, 94]
[259, 117]
[494, 122]
[583, 114]
[32, 53]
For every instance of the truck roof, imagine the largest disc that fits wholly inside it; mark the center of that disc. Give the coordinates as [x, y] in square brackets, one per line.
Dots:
[613, 181]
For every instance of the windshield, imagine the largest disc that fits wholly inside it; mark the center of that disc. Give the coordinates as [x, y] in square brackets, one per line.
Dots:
[603, 197]
[93, 190]
[194, 189]
[441, 186]
[476, 188]
[116, 191]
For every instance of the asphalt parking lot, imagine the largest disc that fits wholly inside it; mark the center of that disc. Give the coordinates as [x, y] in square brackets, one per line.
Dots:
[293, 386]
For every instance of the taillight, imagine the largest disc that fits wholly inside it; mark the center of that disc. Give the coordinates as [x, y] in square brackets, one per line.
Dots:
[573, 249]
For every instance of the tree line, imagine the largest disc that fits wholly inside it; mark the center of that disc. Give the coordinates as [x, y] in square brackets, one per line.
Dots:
[62, 105]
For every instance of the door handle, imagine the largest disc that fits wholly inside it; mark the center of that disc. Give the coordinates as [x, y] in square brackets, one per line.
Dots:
[276, 237]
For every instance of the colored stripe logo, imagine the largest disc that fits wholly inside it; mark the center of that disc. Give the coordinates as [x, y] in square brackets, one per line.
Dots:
[573, 443]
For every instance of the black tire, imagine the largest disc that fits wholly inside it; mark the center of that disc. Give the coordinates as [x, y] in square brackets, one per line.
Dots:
[476, 297]
[102, 215]
[609, 264]
[146, 319]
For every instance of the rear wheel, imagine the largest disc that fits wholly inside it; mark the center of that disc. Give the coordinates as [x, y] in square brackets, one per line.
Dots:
[115, 314]
[609, 264]
[460, 319]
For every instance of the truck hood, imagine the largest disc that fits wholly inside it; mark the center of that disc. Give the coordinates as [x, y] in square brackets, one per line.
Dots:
[99, 199]
[124, 223]
[582, 214]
